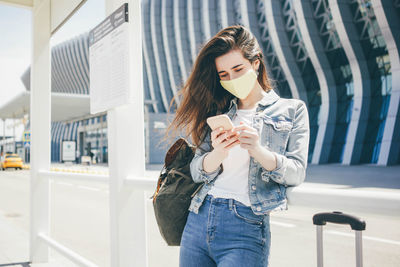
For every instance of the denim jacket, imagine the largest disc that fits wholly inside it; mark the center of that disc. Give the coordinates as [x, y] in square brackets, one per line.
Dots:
[283, 128]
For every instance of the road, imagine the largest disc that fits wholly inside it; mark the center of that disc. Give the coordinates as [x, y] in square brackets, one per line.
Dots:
[79, 220]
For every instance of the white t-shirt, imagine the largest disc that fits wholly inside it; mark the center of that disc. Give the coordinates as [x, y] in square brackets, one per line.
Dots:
[233, 181]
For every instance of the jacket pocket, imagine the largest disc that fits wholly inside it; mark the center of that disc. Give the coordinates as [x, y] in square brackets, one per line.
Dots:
[275, 133]
[272, 187]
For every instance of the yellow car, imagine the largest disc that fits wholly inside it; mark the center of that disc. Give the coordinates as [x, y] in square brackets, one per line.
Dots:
[11, 161]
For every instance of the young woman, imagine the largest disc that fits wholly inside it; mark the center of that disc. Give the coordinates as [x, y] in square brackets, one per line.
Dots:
[246, 171]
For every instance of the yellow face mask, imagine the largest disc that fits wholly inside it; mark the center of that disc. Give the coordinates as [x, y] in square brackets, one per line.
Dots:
[242, 86]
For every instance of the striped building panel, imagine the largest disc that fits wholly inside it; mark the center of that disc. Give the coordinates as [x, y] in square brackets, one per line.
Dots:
[378, 62]
[56, 80]
[169, 45]
[349, 39]
[83, 56]
[283, 52]
[222, 16]
[194, 27]
[150, 107]
[149, 58]
[78, 68]
[74, 70]
[230, 12]
[205, 20]
[338, 65]
[275, 71]
[58, 64]
[181, 41]
[159, 55]
[388, 19]
[84, 84]
[213, 16]
[340, 57]
[309, 31]
[68, 81]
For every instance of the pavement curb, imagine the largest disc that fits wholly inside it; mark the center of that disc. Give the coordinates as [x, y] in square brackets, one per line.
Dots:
[371, 200]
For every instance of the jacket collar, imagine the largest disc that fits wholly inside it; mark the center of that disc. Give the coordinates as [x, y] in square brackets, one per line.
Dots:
[269, 98]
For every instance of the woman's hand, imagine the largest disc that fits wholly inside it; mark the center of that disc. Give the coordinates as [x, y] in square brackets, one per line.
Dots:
[248, 138]
[222, 141]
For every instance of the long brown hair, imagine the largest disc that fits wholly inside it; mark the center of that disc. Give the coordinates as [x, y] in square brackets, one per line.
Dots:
[202, 94]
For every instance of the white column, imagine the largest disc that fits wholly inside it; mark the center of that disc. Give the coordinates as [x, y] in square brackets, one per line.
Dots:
[127, 157]
[40, 129]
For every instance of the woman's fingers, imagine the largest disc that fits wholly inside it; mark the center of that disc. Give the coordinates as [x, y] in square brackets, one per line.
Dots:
[220, 138]
[246, 133]
[232, 144]
[225, 140]
[225, 135]
[217, 132]
[244, 127]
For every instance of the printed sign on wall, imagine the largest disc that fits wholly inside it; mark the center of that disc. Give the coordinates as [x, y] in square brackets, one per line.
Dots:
[109, 62]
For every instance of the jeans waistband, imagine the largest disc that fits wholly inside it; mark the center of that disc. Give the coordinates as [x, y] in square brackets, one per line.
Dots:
[228, 201]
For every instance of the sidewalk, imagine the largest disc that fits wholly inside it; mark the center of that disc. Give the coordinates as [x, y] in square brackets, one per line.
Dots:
[333, 186]
[364, 188]
[358, 187]
[11, 234]
[355, 176]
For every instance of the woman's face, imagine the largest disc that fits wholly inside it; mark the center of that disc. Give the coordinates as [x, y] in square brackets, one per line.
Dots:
[233, 65]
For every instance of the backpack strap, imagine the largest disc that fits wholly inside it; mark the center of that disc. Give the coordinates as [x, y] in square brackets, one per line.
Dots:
[173, 171]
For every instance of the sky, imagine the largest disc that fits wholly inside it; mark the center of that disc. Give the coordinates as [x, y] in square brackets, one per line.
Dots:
[15, 43]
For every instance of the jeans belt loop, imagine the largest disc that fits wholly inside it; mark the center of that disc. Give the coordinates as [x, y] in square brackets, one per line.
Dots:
[230, 204]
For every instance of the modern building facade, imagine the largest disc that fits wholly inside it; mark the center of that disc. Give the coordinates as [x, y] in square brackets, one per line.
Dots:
[340, 57]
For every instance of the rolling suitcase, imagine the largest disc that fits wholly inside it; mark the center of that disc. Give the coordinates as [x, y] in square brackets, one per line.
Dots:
[358, 225]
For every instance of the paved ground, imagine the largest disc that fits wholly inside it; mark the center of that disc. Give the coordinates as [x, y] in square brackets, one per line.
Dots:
[355, 176]
[80, 219]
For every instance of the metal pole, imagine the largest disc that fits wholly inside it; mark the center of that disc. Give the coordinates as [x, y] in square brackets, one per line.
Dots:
[40, 129]
[320, 253]
[359, 249]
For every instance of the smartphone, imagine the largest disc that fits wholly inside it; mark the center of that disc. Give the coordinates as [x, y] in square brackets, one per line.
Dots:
[220, 121]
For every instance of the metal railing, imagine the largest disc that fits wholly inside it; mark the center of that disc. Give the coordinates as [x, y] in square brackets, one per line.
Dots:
[140, 184]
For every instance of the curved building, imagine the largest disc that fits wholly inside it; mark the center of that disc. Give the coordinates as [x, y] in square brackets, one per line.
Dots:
[340, 57]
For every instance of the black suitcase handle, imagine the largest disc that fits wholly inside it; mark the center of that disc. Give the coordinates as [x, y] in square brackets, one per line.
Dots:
[339, 218]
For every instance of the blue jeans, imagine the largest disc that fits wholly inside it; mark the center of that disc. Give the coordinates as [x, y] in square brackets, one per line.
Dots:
[225, 233]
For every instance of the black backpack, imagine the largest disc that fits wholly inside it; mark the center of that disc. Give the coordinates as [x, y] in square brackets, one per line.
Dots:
[174, 192]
